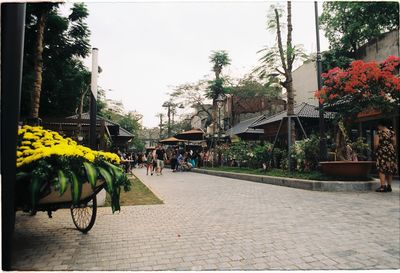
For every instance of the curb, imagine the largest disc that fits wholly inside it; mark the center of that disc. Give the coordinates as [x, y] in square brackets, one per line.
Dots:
[313, 185]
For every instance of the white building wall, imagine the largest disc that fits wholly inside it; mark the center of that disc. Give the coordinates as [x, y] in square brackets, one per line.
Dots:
[305, 83]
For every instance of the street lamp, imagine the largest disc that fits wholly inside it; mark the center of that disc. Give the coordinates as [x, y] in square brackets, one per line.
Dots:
[220, 102]
[171, 107]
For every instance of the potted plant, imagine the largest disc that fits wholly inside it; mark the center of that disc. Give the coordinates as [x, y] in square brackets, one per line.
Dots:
[363, 87]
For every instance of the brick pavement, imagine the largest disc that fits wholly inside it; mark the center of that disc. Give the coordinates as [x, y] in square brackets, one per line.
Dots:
[219, 223]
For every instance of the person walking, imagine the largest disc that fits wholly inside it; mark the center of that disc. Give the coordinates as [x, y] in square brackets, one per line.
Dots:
[149, 163]
[385, 149]
[161, 156]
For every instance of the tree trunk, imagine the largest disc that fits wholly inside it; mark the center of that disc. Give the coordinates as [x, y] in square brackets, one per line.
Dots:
[280, 46]
[80, 111]
[37, 86]
[214, 103]
[289, 60]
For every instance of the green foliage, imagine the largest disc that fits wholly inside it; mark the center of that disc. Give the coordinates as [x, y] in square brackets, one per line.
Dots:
[306, 154]
[271, 61]
[250, 87]
[239, 151]
[262, 155]
[349, 25]
[66, 41]
[361, 148]
[216, 87]
[278, 156]
[130, 123]
[219, 59]
[335, 58]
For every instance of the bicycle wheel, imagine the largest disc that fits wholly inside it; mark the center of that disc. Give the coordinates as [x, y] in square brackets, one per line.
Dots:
[84, 215]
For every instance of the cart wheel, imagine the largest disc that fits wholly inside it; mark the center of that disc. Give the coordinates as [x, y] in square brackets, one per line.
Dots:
[84, 216]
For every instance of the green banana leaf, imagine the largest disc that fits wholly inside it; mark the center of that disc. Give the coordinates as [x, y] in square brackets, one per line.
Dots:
[115, 200]
[63, 180]
[108, 178]
[117, 172]
[22, 175]
[35, 186]
[76, 188]
[91, 173]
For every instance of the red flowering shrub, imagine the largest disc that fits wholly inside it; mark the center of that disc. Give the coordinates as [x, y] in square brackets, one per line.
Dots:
[361, 86]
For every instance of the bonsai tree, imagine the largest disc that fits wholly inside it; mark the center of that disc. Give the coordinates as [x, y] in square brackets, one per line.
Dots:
[363, 86]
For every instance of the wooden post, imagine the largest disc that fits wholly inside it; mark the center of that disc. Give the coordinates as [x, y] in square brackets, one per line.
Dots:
[102, 135]
[12, 48]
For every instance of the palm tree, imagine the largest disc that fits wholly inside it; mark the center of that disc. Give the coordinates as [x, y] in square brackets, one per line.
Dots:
[219, 59]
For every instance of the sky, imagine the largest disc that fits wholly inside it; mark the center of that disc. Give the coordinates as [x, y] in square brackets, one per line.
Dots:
[146, 48]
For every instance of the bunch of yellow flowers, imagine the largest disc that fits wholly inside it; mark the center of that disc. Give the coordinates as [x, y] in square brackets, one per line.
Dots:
[37, 143]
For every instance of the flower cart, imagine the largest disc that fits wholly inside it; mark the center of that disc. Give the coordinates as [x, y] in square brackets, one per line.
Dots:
[55, 172]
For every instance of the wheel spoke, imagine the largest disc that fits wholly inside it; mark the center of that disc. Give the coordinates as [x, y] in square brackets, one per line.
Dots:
[84, 215]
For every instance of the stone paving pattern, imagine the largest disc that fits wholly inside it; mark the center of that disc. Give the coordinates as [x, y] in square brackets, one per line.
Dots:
[215, 223]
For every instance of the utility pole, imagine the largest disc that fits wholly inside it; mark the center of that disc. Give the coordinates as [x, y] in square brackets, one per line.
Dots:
[161, 124]
[93, 98]
[171, 108]
[322, 138]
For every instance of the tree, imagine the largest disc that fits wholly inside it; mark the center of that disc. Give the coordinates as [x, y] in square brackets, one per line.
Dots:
[349, 25]
[363, 86]
[219, 59]
[65, 43]
[280, 58]
[41, 12]
[250, 87]
[131, 124]
[193, 95]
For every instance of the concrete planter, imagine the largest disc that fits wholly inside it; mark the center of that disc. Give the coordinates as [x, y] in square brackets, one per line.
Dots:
[314, 185]
[348, 169]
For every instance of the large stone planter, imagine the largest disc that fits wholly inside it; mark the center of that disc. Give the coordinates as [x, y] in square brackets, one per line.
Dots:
[347, 169]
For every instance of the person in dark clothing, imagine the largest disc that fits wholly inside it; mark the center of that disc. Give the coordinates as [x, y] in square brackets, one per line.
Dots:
[161, 156]
[173, 160]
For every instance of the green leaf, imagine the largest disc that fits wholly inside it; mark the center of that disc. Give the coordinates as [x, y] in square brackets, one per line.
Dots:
[115, 200]
[116, 172]
[76, 188]
[63, 180]
[108, 178]
[91, 173]
[22, 175]
[35, 186]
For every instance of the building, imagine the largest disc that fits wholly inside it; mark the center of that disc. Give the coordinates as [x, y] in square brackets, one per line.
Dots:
[239, 109]
[115, 106]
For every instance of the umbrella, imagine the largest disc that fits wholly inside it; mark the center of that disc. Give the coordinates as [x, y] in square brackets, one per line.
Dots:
[194, 134]
[172, 140]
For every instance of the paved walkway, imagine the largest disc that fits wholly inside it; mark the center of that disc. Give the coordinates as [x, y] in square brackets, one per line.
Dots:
[220, 223]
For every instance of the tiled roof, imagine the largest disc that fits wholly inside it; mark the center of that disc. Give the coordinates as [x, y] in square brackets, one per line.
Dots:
[122, 132]
[243, 127]
[87, 116]
[303, 110]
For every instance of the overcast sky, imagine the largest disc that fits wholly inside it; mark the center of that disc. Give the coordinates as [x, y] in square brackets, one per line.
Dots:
[144, 48]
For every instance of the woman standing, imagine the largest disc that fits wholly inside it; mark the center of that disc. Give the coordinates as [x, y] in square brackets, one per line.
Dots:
[149, 163]
[385, 148]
